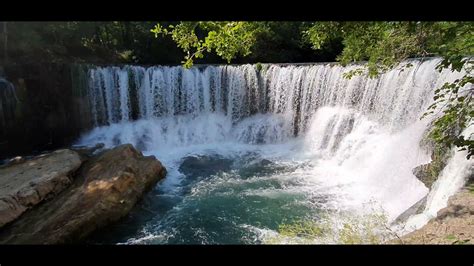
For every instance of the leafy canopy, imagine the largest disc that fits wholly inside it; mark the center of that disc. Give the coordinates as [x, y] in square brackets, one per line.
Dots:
[226, 39]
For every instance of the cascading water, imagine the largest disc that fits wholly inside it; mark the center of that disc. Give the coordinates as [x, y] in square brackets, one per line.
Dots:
[248, 148]
[8, 102]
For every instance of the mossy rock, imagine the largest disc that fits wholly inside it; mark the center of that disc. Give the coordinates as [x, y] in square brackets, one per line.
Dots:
[428, 173]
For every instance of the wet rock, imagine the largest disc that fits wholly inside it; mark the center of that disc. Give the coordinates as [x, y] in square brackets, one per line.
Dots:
[429, 173]
[26, 183]
[87, 152]
[12, 161]
[417, 208]
[105, 189]
[425, 174]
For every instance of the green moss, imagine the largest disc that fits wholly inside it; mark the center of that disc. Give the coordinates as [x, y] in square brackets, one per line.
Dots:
[439, 156]
[462, 242]
[450, 237]
[302, 229]
[471, 188]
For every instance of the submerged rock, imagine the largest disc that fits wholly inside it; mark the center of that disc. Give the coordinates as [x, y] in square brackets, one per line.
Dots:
[260, 167]
[105, 189]
[26, 183]
[202, 166]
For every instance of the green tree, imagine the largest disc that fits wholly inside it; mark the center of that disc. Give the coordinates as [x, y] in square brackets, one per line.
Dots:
[226, 39]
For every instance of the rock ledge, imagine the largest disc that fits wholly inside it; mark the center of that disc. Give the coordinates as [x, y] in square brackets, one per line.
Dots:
[104, 190]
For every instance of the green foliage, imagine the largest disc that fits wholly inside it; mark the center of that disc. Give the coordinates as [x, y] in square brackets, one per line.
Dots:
[263, 41]
[470, 188]
[456, 241]
[457, 113]
[89, 42]
[131, 42]
[363, 229]
[226, 39]
[305, 231]
[382, 44]
[355, 72]
[368, 230]
[302, 229]
[281, 41]
[450, 237]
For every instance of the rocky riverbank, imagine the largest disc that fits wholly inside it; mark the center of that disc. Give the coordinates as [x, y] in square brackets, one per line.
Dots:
[453, 224]
[64, 196]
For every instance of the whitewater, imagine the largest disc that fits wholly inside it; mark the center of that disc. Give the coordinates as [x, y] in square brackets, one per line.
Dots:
[249, 147]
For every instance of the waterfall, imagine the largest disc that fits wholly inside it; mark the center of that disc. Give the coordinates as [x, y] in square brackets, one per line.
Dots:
[361, 131]
[296, 92]
[8, 103]
[450, 180]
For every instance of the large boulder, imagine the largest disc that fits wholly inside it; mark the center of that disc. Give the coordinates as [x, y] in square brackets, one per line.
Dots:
[26, 183]
[105, 189]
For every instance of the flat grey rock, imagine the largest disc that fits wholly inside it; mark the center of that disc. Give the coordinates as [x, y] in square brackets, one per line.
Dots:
[28, 183]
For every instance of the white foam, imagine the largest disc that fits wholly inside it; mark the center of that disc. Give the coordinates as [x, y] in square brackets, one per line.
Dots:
[357, 139]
